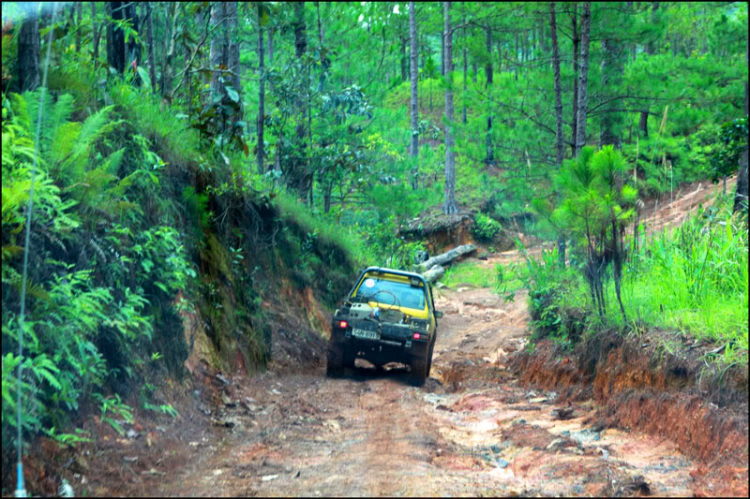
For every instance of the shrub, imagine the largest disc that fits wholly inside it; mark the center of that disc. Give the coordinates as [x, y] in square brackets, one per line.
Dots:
[485, 228]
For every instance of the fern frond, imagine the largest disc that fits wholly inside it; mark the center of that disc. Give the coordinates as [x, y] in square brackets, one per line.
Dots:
[32, 108]
[94, 126]
[65, 137]
[58, 116]
[11, 251]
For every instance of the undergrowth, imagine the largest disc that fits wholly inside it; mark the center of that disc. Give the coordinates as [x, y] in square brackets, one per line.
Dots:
[692, 280]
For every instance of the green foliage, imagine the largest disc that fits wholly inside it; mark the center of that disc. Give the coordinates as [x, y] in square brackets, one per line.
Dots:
[734, 142]
[85, 317]
[485, 228]
[695, 280]
[596, 204]
[112, 408]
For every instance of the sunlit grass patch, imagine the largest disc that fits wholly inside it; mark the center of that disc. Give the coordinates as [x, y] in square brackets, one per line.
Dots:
[469, 273]
[693, 280]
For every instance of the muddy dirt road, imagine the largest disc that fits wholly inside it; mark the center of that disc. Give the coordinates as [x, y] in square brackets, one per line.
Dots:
[471, 430]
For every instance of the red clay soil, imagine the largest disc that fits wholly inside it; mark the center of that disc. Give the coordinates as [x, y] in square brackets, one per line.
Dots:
[660, 400]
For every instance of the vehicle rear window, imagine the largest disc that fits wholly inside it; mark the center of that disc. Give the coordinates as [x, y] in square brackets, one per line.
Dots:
[391, 293]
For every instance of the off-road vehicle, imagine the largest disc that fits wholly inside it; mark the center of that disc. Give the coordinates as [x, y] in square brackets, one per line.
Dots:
[388, 316]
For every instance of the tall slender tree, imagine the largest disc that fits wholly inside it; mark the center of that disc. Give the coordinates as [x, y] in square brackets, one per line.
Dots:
[650, 50]
[490, 159]
[115, 37]
[150, 41]
[414, 104]
[465, 68]
[169, 42]
[576, 35]
[28, 49]
[261, 92]
[558, 87]
[558, 113]
[741, 191]
[96, 34]
[297, 176]
[583, 80]
[450, 154]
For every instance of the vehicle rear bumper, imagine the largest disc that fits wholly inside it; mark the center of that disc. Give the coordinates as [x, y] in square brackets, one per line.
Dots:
[385, 349]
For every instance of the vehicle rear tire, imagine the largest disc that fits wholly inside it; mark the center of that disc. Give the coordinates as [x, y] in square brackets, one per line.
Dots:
[429, 360]
[349, 358]
[335, 360]
[418, 373]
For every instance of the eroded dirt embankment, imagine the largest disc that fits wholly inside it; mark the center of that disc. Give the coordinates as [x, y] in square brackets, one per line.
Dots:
[663, 398]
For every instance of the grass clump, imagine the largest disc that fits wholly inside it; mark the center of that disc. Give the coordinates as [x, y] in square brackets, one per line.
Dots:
[695, 280]
[692, 280]
[469, 273]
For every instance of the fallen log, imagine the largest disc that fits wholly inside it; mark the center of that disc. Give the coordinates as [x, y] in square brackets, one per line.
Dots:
[435, 273]
[446, 257]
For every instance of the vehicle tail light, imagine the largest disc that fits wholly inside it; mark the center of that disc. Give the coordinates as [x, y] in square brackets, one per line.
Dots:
[343, 324]
[417, 336]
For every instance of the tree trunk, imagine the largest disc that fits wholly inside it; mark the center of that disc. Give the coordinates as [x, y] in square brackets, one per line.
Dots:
[558, 114]
[463, 96]
[270, 46]
[115, 38]
[558, 86]
[233, 50]
[583, 81]
[618, 270]
[150, 41]
[96, 33]
[740, 193]
[261, 93]
[217, 49]
[297, 176]
[327, 196]
[643, 123]
[132, 48]
[576, 48]
[414, 104]
[442, 54]
[171, 34]
[28, 49]
[490, 160]
[404, 73]
[612, 70]
[450, 155]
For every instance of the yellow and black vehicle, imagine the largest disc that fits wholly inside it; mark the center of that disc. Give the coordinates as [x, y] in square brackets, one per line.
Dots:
[388, 316]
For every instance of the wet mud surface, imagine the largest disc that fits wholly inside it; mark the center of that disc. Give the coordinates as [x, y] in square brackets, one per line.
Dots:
[473, 429]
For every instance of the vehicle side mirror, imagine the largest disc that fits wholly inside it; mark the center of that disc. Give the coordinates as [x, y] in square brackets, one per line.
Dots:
[438, 314]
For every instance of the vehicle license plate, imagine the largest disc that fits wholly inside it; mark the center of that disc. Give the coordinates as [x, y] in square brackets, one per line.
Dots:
[367, 335]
